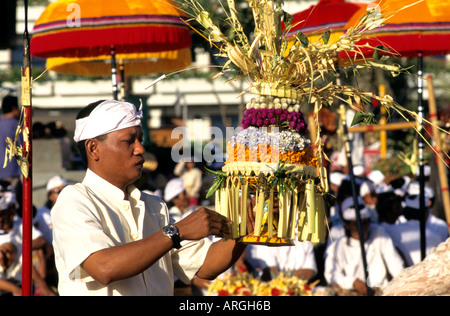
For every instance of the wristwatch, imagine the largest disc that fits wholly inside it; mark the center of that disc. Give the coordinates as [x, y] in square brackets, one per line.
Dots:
[171, 231]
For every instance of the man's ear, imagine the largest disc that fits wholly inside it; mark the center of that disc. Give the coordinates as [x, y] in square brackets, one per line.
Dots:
[91, 146]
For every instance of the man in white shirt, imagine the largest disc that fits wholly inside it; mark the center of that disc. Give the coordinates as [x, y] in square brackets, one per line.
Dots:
[296, 260]
[343, 263]
[112, 239]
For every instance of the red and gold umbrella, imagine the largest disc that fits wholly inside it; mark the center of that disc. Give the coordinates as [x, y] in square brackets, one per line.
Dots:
[415, 27]
[330, 15]
[86, 28]
[134, 64]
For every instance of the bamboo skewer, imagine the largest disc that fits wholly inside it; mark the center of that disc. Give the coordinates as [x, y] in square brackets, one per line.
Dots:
[440, 160]
[243, 229]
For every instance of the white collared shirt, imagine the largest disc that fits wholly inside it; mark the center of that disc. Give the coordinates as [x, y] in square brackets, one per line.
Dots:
[343, 263]
[94, 215]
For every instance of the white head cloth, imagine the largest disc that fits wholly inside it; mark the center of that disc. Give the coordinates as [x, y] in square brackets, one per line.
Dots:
[109, 116]
[349, 210]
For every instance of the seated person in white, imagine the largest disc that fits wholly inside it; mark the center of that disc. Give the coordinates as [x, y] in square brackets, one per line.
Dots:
[343, 262]
[297, 260]
[406, 235]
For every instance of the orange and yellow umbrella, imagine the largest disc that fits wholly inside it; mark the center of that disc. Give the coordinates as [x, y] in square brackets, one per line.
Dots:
[86, 28]
[414, 27]
[134, 64]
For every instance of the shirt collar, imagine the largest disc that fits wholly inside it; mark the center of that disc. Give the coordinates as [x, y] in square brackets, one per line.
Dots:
[113, 193]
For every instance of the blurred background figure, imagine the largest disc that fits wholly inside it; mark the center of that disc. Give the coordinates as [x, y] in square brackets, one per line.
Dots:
[192, 179]
[42, 220]
[9, 121]
[177, 200]
[343, 263]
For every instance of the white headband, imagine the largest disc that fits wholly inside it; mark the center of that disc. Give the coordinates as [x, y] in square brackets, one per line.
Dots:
[107, 117]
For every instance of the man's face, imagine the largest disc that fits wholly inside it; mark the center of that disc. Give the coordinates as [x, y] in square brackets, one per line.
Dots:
[121, 156]
[352, 226]
[6, 219]
[181, 201]
[54, 193]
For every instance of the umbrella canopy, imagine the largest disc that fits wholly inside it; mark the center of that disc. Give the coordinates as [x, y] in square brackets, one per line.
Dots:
[326, 14]
[134, 64]
[92, 27]
[415, 27]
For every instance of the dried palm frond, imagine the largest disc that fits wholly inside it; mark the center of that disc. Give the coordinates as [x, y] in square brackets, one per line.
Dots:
[297, 69]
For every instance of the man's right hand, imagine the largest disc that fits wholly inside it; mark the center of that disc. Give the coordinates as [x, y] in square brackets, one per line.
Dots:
[203, 223]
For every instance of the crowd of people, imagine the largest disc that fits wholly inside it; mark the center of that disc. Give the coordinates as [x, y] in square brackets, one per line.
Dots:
[390, 216]
[389, 212]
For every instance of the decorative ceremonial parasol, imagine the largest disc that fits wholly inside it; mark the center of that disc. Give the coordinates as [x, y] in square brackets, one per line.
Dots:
[413, 29]
[330, 15]
[84, 28]
[81, 29]
[129, 65]
[134, 64]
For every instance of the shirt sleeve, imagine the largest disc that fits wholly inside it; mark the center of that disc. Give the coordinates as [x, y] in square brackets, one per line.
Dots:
[187, 260]
[77, 232]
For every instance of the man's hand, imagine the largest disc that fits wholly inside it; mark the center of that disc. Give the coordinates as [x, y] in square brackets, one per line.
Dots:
[203, 223]
[360, 287]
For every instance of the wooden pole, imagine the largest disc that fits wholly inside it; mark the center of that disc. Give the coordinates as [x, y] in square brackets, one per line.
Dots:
[27, 208]
[385, 127]
[442, 170]
[383, 134]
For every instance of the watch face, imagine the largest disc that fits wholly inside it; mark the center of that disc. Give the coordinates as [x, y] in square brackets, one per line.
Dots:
[170, 230]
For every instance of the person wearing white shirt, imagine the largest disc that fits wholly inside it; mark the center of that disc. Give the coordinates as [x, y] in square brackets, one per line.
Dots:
[12, 233]
[406, 235]
[176, 199]
[43, 220]
[192, 179]
[297, 260]
[343, 263]
[111, 239]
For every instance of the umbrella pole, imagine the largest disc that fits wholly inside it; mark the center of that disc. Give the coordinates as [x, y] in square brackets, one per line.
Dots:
[123, 93]
[421, 147]
[348, 153]
[114, 73]
[27, 183]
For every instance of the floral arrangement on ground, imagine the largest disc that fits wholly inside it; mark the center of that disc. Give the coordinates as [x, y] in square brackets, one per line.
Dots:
[244, 284]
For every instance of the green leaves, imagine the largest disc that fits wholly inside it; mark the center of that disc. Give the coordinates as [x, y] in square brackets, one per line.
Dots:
[219, 181]
[326, 36]
[377, 55]
[367, 118]
[303, 39]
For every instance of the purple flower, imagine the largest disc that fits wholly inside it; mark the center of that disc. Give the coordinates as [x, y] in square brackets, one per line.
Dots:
[292, 125]
[259, 123]
[273, 121]
[283, 117]
[289, 117]
[269, 115]
[266, 122]
[278, 111]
